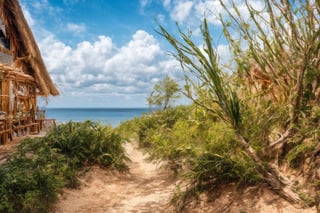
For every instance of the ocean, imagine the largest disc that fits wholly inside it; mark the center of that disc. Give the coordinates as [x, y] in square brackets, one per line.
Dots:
[106, 116]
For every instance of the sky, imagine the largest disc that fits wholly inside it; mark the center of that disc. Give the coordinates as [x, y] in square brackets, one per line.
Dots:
[107, 53]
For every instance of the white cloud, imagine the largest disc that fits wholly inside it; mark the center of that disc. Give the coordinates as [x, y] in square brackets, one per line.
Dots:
[76, 28]
[27, 15]
[55, 54]
[192, 12]
[41, 4]
[210, 10]
[160, 18]
[100, 67]
[144, 3]
[224, 53]
[166, 4]
[71, 2]
[181, 11]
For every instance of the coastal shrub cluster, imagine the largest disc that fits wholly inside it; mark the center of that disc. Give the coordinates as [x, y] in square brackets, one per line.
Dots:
[87, 143]
[195, 143]
[31, 179]
[252, 115]
[40, 168]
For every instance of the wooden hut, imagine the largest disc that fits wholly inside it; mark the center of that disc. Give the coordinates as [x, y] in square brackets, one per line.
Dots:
[23, 74]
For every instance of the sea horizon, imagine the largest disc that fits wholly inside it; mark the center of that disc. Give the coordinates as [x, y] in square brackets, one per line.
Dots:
[96, 107]
[105, 115]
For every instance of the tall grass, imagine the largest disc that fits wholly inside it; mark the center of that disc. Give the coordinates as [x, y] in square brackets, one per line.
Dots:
[196, 145]
[276, 53]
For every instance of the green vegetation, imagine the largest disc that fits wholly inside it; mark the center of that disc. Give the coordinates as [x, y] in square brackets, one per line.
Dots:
[247, 120]
[164, 93]
[40, 168]
[245, 123]
[89, 143]
[195, 144]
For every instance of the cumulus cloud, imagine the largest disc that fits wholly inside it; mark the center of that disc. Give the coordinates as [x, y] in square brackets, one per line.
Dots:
[210, 10]
[192, 12]
[181, 11]
[224, 53]
[100, 67]
[189, 14]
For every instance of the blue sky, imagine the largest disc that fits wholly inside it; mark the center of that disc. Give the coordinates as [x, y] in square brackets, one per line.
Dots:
[106, 53]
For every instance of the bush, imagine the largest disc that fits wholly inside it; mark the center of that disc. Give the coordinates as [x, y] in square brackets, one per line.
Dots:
[188, 136]
[31, 178]
[196, 145]
[216, 169]
[297, 155]
[40, 168]
[89, 143]
[159, 122]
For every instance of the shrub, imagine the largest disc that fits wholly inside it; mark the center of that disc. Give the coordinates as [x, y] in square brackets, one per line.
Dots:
[89, 143]
[40, 168]
[297, 155]
[196, 143]
[217, 169]
[31, 178]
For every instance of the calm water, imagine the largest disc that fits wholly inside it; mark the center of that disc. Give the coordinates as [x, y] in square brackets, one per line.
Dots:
[112, 116]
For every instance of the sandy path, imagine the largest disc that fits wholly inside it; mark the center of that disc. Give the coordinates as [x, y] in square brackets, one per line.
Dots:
[147, 188]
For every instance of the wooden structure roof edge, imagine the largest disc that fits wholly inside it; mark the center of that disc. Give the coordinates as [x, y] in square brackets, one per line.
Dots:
[25, 47]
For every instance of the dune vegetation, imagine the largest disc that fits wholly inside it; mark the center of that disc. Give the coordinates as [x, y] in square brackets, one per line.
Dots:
[253, 122]
[34, 175]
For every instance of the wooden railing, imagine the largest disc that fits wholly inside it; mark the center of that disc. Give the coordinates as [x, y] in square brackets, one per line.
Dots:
[25, 125]
[22, 126]
[16, 127]
[5, 130]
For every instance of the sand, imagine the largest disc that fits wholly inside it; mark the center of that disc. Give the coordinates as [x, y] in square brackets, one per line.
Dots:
[146, 188]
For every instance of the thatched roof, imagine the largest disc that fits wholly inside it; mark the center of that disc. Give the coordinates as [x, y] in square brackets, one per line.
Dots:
[24, 46]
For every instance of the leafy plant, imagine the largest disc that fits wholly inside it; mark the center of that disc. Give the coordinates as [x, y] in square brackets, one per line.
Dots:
[89, 143]
[219, 169]
[277, 65]
[41, 167]
[296, 156]
[31, 179]
[164, 92]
